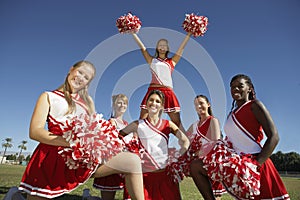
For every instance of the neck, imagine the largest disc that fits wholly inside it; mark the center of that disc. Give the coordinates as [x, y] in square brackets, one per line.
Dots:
[241, 102]
[203, 117]
[162, 56]
[118, 116]
[153, 119]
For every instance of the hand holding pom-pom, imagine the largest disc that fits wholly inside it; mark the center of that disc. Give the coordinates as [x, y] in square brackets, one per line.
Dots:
[128, 23]
[196, 25]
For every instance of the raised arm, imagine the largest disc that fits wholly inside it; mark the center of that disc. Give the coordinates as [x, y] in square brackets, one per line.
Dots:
[38, 120]
[179, 52]
[145, 53]
[264, 118]
[183, 140]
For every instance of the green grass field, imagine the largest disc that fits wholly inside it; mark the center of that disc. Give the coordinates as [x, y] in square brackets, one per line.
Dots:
[10, 175]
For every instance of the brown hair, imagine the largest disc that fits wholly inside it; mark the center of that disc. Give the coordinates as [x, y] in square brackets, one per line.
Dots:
[156, 49]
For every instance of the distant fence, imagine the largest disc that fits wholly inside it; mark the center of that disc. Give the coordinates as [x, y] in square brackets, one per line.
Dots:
[290, 173]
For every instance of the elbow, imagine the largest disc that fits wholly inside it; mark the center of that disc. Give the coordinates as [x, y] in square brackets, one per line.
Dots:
[276, 139]
[33, 134]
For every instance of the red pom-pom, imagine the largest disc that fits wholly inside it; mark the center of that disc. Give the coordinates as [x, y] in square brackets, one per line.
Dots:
[196, 25]
[128, 23]
[239, 173]
[93, 140]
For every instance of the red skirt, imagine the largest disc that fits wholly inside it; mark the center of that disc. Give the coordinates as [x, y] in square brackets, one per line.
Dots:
[271, 185]
[112, 182]
[218, 188]
[47, 174]
[171, 101]
[159, 186]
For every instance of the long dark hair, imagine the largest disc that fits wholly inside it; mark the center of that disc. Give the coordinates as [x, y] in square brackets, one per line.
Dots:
[252, 94]
[156, 49]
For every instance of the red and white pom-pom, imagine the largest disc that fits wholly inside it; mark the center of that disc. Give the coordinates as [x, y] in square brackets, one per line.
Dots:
[93, 140]
[128, 23]
[239, 173]
[196, 25]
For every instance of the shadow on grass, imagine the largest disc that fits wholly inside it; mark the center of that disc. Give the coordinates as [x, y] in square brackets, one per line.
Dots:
[4, 190]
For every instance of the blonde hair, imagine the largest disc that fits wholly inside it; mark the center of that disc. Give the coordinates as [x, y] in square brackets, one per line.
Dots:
[83, 93]
[114, 100]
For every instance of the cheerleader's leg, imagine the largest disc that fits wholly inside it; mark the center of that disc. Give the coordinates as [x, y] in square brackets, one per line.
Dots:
[201, 180]
[128, 164]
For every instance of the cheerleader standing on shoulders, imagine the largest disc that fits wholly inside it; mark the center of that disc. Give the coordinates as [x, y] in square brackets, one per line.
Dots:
[161, 65]
[153, 135]
[208, 128]
[161, 70]
[244, 131]
[47, 175]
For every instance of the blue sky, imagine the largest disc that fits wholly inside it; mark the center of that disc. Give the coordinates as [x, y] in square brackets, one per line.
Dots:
[40, 40]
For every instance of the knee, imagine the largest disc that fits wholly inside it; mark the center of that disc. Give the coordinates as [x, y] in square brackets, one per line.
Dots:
[134, 163]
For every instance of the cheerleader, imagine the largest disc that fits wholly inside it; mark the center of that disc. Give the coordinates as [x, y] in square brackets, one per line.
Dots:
[208, 128]
[47, 175]
[110, 184]
[153, 135]
[161, 71]
[246, 125]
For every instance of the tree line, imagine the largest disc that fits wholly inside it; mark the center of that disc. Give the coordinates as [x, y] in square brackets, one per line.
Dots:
[286, 161]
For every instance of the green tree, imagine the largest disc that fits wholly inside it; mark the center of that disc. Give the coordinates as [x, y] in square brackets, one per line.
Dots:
[22, 147]
[28, 158]
[6, 145]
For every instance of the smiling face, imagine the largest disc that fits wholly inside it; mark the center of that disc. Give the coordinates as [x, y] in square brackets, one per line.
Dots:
[154, 104]
[120, 106]
[240, 90]
[162, 46]
[201, 106]
[80, 77]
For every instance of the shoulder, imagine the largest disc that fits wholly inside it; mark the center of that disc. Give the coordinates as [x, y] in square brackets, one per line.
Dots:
[44, 96]
[257, 106]
[214, 120]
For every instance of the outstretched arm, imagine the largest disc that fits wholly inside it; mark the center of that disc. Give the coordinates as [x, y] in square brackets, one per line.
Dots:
[145, 53]
[179, 52]
[264, 118]
[183, 140]
[38, 120]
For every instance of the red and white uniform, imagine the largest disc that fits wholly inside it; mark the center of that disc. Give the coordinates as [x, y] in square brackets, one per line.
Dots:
[154, 154]
[161, 71]
[202, 129]
[245, 133]
[47, 174]
[112, 182]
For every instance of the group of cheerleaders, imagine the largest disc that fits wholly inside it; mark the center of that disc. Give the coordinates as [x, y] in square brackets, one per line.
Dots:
[145, 168]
